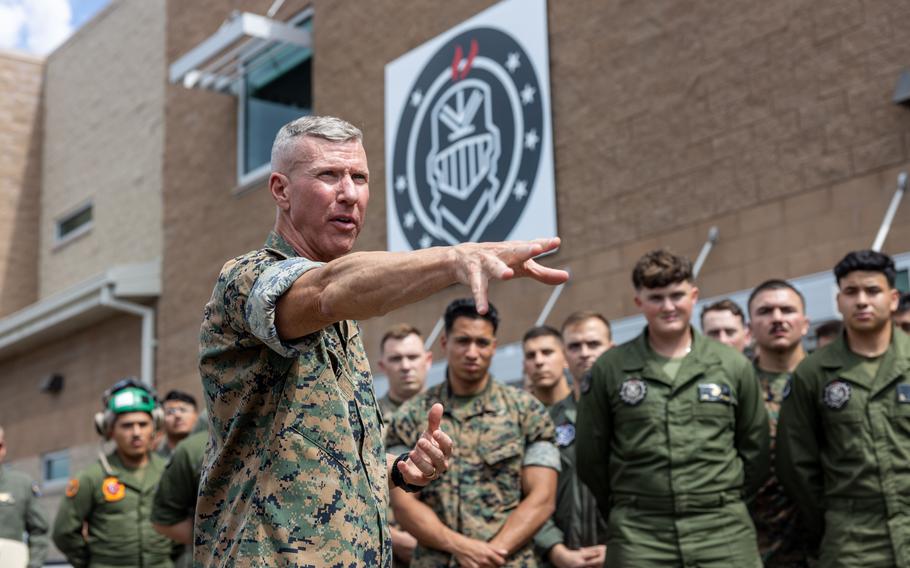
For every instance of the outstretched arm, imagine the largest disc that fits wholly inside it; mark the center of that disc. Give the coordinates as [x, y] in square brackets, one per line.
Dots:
[368, 284]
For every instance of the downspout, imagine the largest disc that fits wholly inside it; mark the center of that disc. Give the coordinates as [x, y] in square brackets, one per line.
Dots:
[147, 313]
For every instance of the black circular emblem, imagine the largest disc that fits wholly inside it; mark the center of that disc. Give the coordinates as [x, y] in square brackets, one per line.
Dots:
[468, 145]
[837, 394]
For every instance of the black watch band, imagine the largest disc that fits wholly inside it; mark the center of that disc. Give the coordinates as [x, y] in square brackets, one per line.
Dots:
[398, 479]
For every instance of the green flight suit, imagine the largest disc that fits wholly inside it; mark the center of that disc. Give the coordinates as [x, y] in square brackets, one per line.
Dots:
[117, 513]
[20, 513]
[175, 498]
[843, 453]
[671, 460]
[577, 522]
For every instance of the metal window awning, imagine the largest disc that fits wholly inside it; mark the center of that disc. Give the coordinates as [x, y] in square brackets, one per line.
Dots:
[219, 61]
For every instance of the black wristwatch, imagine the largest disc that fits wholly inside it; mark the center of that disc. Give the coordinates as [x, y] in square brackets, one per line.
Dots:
[398, 479]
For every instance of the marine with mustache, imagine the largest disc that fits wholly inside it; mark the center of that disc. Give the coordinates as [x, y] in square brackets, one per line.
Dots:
[778, 323]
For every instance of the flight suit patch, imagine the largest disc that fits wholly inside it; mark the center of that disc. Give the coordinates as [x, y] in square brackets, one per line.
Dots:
[565, 434]
[36, 490]
[712, 392]
[633, 391]
[72, 488]
[837, 393]
[7, 498]
[903, 393]
[113, 490]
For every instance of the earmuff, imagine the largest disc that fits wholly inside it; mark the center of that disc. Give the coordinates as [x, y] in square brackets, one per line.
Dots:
[127, 395]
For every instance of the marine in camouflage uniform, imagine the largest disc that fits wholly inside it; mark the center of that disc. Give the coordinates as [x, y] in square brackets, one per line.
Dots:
[20, 512]
[496, 434]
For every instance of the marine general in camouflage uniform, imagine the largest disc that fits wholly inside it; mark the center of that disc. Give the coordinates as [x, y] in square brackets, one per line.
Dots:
[844, 431]
[501, 486]
[778, 323]
[296, 473]
[672, 434]
[20, 513]
[574, 536]
[405, 362]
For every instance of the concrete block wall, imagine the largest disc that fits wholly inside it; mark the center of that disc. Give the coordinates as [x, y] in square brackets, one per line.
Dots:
[772, 121]
[20, 178]
[104, 121]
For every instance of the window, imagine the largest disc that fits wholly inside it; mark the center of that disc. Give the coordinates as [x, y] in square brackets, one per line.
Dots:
[275, 88]
[73, 224]
[55, 466]
[902, 282]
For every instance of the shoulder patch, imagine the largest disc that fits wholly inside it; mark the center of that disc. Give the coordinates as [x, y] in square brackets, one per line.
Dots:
[72, 488]
[112, 489]
[36, 490]
[565, 434]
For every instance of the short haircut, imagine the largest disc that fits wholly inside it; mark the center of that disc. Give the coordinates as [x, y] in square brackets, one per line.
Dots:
[398, 331]
[326, 127]
[660, 268]
[541, 331]
[725, 305]
[580, 316]
[465, 308]
[904, 304]
[775, 284]
[181, 397]
[830, 328]
[867, 261]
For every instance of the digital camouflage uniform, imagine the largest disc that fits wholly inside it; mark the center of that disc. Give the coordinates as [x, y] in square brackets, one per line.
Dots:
[116, 506]
[844, 453]
[495, 434]
[20, 513]
[297, 472]
[175, 498]
[670, 461]
[782, 538]
[388, 407]
[576, 523]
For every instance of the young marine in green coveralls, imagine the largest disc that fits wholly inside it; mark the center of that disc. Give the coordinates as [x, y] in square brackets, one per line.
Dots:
[113, 497]
[672, 435]
[844, 431]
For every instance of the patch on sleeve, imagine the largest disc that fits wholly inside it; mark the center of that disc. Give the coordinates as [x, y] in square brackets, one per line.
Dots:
[72, 488]
[543, 454]
[565, 434]
[36, 490]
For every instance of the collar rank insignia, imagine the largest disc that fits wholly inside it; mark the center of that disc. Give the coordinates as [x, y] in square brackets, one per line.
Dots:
[903, 393]
[713, 392]
[113, 490]
[633, 391]
[837, 393]
[565, 434]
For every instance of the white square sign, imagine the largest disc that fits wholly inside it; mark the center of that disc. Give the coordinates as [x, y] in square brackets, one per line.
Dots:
[469, 149]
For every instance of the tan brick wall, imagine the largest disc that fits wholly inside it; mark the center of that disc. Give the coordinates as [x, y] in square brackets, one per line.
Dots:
[771, 120]
[105, 97]
[20, 178]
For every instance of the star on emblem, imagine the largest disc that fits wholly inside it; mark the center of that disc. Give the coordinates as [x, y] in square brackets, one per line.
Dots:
[401, 184]
[425, 241]
[531, 139]
[521, 189]
[416, 97]
[527, 94]
[409, 220]
[513, 63]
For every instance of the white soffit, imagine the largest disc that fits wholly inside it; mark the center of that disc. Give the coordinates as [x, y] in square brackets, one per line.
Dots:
[219, 61]
[78, 307]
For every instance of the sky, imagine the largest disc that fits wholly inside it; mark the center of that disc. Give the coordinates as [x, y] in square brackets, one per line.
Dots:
[39, 26]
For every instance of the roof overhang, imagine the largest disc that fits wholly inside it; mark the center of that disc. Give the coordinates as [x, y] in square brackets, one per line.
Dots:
[79, 306]
[219, 61]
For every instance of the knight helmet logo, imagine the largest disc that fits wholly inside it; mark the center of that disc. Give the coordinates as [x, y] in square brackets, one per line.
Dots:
[467, 148]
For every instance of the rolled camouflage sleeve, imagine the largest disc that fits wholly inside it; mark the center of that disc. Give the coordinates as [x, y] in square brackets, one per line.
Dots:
[260, 306]
[540, 438]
